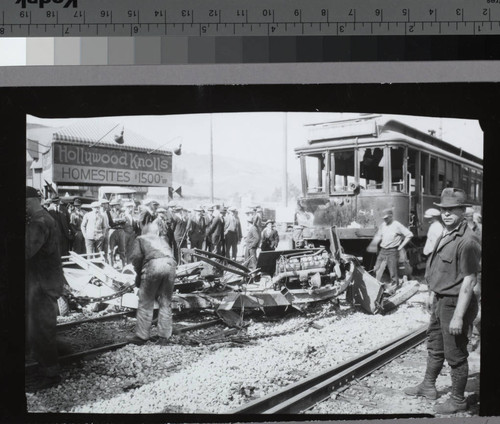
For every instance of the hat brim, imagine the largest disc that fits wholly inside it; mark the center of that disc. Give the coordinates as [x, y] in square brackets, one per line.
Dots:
[452, 205]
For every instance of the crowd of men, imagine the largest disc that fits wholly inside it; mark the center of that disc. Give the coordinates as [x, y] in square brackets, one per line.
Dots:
[112, 226]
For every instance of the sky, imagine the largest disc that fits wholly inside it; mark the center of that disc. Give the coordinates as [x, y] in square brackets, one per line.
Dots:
[259, 136]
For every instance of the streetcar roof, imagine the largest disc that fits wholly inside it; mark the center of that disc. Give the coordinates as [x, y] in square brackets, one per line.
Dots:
[369, 131]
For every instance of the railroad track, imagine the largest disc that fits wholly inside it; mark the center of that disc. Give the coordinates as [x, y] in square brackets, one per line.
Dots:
[300, 396]
[110, 317]
[92, 353]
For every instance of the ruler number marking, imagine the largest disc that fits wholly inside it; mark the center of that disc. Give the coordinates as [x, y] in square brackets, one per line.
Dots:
[406, 12]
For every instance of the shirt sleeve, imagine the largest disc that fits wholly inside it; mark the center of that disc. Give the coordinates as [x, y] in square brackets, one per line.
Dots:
[470, 258]
[405, 231]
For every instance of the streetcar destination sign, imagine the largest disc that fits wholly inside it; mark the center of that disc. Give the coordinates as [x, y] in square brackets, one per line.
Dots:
[110, 166]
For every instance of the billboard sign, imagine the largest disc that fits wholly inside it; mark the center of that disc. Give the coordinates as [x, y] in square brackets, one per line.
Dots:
[101, 165]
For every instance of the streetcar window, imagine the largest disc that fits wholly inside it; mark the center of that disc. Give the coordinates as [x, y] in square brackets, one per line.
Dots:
[371, 168]
[456, 175]
[441, 175]
[342, 171]
[449, 174]
[315, 173]
[465, 180]
[472, 183]
[433, 174]
[397, 156]
[412, 169]
[480, 188]
[424, 165]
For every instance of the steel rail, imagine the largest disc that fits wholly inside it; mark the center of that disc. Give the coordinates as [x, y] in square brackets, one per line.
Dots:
[300, 396]
[110, 317]
[91, 353]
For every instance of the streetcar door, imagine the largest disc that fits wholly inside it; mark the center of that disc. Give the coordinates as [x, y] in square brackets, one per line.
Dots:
[413, 189]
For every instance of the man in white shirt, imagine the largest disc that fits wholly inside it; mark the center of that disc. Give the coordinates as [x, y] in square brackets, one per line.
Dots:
[94, 229]
[392, 236]
[435, 229]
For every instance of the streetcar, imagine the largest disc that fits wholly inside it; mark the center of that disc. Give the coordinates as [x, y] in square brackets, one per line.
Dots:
[354, 169]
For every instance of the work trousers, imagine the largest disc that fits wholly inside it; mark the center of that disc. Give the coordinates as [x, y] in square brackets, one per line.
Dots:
[441, 344]
[231, 242]
[178, 252]
[251, 257]
[128, 242]
[79, 243]
[117, 239]
[218, 248]
[41, 321]
[391, 258]
[157, 281]
[94, 246]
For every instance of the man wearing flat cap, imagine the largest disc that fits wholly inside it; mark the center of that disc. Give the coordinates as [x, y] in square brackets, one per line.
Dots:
[60, 214]
[435, 229]
[451, 274]
[116, 236]
[94, 229]
[75, 220]
[215, 233]
[197, 228]
[43, 285]
[232, 234]
[392, 236]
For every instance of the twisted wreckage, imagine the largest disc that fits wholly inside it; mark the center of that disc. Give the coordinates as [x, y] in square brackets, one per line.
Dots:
[283, 279]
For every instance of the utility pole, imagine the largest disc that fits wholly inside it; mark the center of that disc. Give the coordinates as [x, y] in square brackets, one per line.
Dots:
[284, 192]
[211, 160]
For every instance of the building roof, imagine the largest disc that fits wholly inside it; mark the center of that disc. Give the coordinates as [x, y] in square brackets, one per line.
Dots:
[92, 131]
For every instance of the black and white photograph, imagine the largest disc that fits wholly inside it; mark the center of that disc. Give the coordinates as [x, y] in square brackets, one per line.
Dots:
[254, 262]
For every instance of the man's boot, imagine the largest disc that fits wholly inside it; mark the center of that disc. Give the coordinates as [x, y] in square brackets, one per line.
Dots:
[456, 402]
[427, 388]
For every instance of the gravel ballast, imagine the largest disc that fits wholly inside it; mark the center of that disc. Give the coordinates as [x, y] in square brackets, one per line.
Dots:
[217, 378]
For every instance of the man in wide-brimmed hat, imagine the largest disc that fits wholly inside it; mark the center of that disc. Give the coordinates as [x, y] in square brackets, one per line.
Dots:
[75, 221]
[232, 233]
[197, 229]
[252, 240]
[451, 274]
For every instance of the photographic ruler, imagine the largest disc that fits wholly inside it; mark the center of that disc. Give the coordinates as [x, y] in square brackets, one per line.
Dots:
[257, 31]
[199, 18]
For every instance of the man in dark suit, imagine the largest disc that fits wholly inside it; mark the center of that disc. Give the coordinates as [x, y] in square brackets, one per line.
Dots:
[43, 285]
[61, 216]
[216, 233]
[197, 229]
